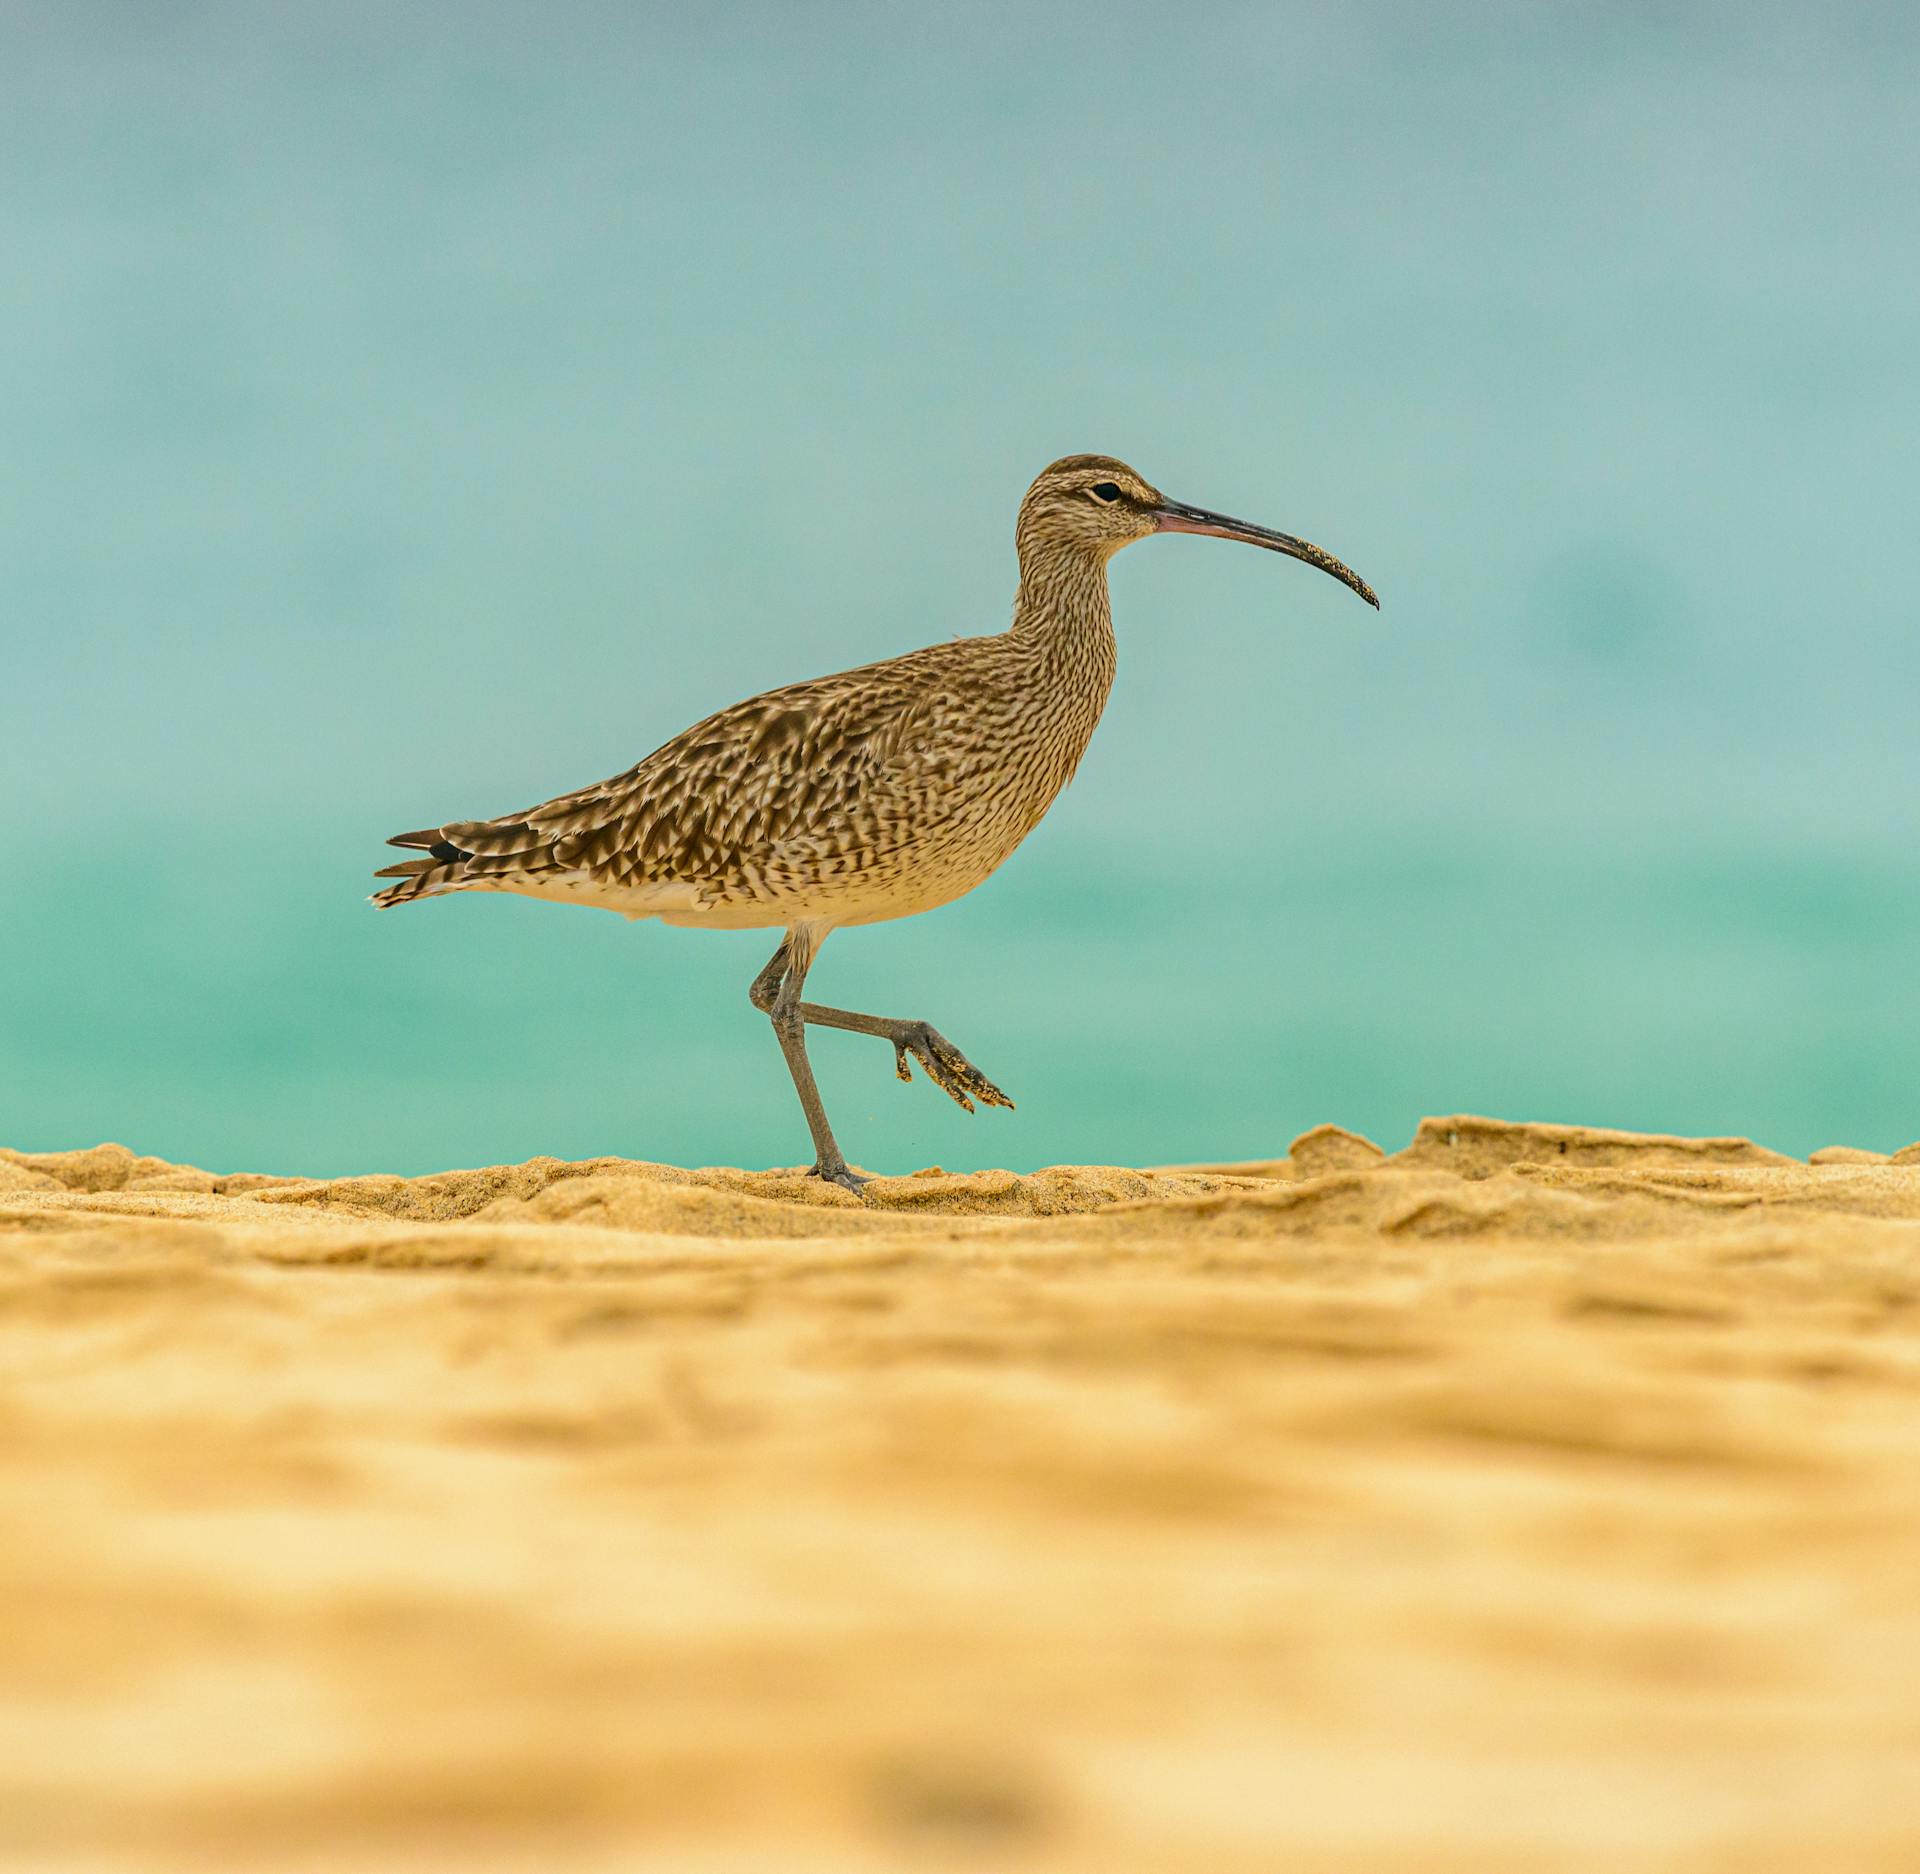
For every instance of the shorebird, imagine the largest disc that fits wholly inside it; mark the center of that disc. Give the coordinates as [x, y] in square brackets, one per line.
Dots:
[852, 799]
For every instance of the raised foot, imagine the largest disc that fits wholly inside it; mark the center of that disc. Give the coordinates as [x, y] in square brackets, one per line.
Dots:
[840, 1175]
[946, 1066]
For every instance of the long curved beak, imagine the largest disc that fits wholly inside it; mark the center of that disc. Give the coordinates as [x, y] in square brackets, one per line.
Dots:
[1175, 517]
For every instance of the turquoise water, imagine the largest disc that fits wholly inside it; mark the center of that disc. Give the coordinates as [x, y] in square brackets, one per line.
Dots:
[414, 417]
[257, 1018]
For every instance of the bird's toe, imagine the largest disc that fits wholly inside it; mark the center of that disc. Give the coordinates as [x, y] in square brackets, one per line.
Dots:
[846, 1179]
[951, 1071]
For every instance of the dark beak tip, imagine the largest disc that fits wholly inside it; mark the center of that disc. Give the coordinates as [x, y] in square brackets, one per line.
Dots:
[1177, 517]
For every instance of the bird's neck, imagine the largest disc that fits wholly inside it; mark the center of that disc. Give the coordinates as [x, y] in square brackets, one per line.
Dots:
[1062, 643]
[1062, 612]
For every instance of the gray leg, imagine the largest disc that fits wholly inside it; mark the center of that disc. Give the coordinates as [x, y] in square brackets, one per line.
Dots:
[946, 1066]
[767, 984]
[776, 992]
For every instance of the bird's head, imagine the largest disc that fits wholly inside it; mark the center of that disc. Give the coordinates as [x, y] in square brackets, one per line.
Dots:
[1095, 504]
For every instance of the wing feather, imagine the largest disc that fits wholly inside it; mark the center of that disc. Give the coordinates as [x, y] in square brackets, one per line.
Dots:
[783, 780]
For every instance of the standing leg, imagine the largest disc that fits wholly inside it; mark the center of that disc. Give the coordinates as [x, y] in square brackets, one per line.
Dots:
[776, 991]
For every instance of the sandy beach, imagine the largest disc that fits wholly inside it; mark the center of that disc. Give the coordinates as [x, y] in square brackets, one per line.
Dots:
[1532, 1498]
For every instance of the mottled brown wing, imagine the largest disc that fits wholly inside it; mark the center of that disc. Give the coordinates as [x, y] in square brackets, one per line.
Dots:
[796, 773]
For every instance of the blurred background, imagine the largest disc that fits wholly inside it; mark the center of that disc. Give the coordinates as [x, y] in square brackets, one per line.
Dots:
[414, 413]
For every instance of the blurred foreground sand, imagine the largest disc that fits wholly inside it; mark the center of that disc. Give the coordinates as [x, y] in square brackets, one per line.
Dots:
[1534, 1499]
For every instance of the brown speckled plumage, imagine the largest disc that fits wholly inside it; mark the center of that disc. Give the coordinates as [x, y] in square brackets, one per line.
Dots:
[873, 794]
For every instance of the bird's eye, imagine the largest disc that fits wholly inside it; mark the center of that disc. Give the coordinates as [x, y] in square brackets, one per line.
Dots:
[1104, 491]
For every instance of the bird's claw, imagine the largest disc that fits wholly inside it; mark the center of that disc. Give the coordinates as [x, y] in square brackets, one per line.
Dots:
[848, 1180]
[946, 1067]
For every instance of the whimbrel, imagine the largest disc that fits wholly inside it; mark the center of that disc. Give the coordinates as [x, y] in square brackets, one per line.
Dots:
[852, 799]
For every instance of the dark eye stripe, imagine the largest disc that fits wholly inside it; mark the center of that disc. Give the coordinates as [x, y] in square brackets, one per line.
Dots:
[1106, 491]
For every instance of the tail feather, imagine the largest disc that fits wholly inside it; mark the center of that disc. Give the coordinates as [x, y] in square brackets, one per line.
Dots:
[419, 878]
[463, 854]
[435, 841]
[440, 872]
[489, 839]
